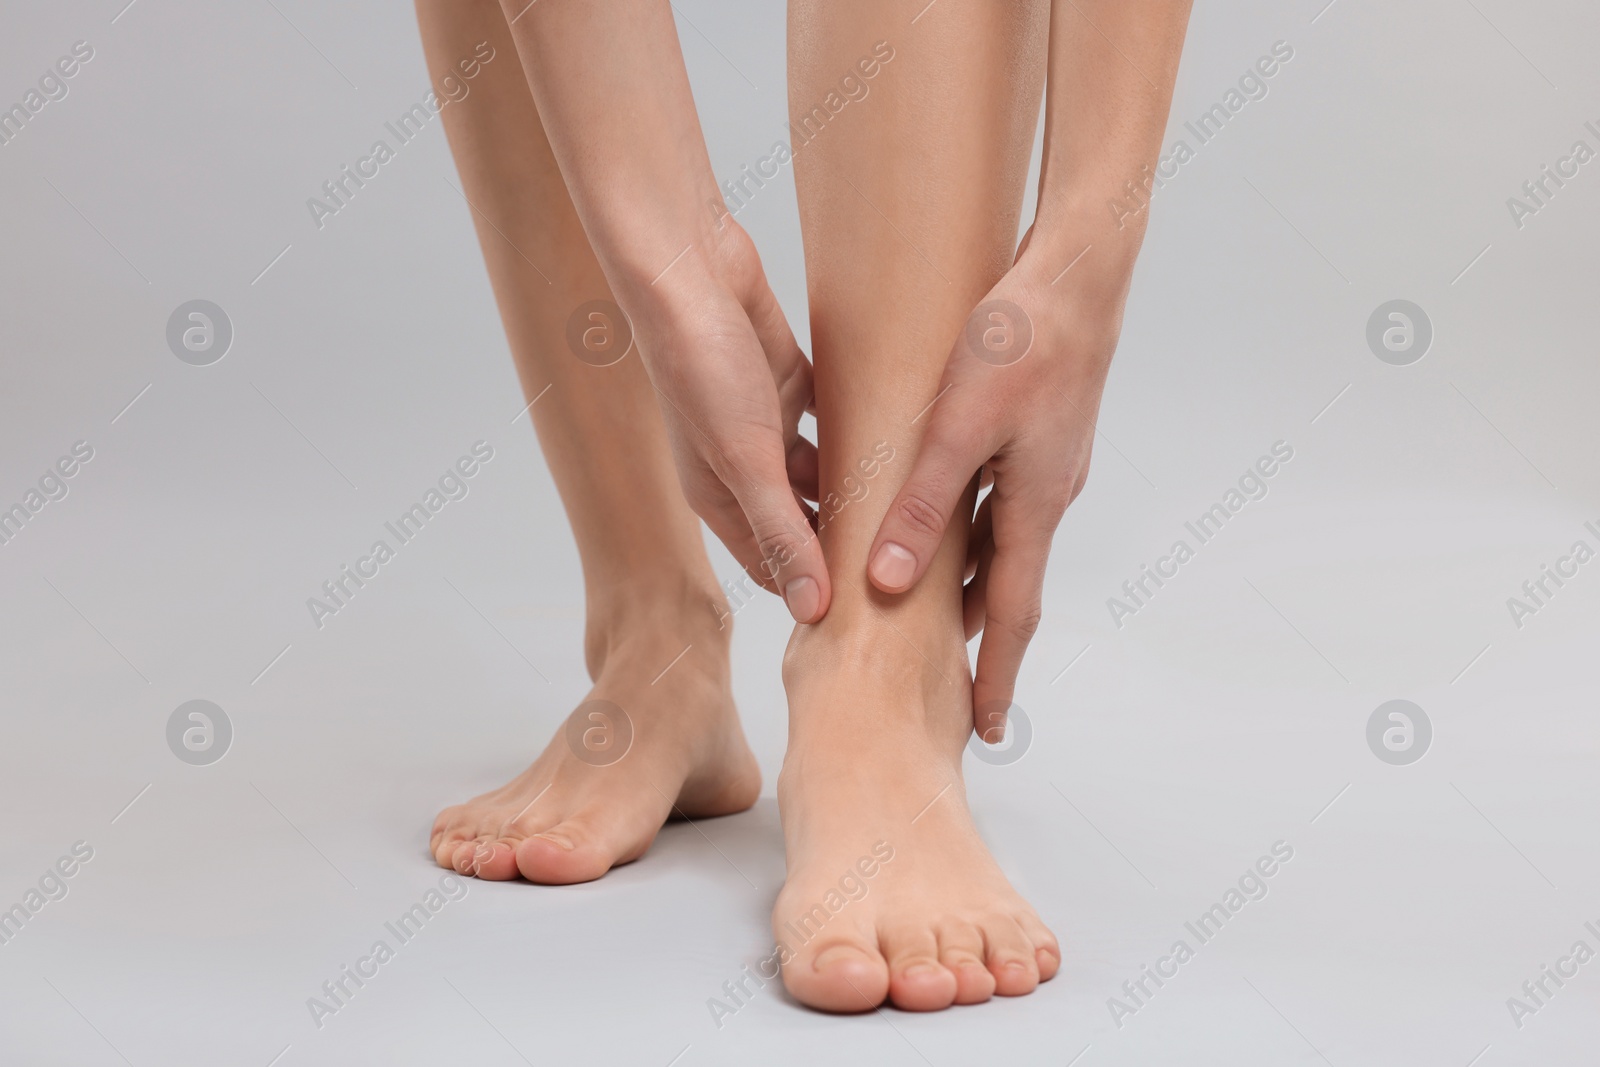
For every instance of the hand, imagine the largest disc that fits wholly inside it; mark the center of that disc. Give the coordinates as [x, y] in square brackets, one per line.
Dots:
[733, 384]
[1019, 396]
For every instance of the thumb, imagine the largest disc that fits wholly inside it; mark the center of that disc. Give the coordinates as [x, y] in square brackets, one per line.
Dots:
[916, 521]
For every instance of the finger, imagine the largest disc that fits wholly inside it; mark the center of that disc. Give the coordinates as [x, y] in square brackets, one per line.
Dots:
[711, 499]
[803, 470]
[980, 551]
[917, 519]
[1013, 598]
[726, 520]
[790, 556]
[978, 536]
[975, 594]
[791, 371]
[728, 524]
[1022, 245]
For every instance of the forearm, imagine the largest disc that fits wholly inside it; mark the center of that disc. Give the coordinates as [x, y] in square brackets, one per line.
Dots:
[614, 97]
[1112, 68]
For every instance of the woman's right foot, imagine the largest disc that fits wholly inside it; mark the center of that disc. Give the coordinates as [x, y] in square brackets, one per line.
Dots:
[579, 810]
[891, 894]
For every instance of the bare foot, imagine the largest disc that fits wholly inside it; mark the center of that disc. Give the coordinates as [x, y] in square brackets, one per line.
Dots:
[891, 893]
[574, 814]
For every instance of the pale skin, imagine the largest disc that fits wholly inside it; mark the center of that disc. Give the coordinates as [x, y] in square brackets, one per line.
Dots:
[589, 163]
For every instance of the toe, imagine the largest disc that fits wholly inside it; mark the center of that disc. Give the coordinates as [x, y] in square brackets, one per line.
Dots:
[444, 848]
[1046, 949]
[444, 822]
[961, 952]
[842, 976]
[570, 851]
[1009, 956]
[490, 859]
[917, 980]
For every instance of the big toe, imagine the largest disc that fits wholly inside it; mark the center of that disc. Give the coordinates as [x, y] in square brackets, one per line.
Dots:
[567, 853]
[840, 977]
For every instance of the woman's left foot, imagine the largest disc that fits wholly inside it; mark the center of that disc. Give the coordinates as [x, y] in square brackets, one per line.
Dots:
[891, 894]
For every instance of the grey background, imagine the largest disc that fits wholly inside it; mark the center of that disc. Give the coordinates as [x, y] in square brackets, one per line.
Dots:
[1227, 715]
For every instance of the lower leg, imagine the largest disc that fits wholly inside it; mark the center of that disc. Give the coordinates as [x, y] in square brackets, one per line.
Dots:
[909, 201]
[650, 589]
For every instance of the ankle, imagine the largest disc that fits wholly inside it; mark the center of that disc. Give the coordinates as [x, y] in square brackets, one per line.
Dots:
[861, 640]
[649, 619]
[872, 679]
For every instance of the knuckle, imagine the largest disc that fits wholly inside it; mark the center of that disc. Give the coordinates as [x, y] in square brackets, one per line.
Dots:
[919, 516]
[779, 546]
[1073, 483]
[1057, 498]
[709, 506]
[792, 372]
[1021, 623]
[1077, 485]
[1054, 502]
[717, 464]
[962, 429]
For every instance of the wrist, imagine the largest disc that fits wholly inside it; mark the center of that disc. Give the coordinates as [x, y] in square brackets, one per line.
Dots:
[1077, 247]
[665, 282]
[640, 240]
[1108, 216]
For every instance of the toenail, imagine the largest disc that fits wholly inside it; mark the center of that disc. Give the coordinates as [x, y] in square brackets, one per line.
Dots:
[893, 566]
[1017, 967]
[917, 969]
[833, 955]
[556, 840]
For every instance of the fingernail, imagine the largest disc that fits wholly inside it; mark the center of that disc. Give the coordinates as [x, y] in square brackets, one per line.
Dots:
[802, 597]
[893, 566]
